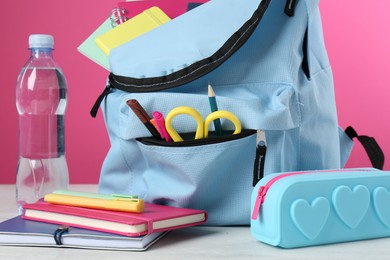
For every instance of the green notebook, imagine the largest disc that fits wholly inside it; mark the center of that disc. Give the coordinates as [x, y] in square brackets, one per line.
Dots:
[91, 50]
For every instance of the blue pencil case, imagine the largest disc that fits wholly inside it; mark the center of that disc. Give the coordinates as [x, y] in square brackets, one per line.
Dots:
[299, 209]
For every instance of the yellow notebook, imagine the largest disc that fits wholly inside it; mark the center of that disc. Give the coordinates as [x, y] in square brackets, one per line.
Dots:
[139, 24]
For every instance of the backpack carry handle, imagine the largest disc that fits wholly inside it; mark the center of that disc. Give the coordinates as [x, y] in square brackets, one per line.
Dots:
[372, 148]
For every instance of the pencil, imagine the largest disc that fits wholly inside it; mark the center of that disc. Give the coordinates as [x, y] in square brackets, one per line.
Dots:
[214, 107]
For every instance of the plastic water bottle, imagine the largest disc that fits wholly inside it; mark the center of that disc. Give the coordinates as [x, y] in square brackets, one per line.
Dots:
[41, 99]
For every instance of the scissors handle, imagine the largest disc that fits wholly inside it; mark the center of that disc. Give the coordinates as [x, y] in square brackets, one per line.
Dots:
[222, 114]
[187, 111]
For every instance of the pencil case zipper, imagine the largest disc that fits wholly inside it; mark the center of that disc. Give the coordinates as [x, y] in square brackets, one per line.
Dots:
[196, 142]
[262, 192]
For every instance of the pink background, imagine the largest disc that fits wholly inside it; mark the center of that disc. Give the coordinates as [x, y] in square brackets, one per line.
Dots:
[357, 37]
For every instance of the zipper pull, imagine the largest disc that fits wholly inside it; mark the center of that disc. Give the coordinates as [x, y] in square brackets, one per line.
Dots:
[289, 9]
[262, 192]
[261, 151]
[99, 100]
[259, 201]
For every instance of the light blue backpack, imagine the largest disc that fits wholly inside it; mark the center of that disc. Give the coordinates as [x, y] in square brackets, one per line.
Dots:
[267, 64]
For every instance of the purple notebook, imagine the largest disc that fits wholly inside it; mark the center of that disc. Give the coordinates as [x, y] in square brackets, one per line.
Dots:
[20, 232]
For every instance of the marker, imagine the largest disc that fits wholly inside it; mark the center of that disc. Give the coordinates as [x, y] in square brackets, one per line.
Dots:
[154, 123]
[144, 117]
[214, 107]
[160, 121]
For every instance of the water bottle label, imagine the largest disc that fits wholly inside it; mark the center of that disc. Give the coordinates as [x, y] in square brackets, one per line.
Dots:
[41, 136]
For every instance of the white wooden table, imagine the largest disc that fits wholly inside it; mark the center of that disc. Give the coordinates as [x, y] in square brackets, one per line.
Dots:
[193, 243]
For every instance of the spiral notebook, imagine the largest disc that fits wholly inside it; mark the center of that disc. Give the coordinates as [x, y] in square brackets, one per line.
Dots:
[20, 232]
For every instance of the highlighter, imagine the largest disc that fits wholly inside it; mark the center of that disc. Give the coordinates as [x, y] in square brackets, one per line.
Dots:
[114, 203]
[160, 121]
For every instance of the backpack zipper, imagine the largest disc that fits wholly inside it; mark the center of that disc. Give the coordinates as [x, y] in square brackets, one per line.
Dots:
[261, 151]
[190, 73]
[289, 9]
[262, 192]
[99, 100]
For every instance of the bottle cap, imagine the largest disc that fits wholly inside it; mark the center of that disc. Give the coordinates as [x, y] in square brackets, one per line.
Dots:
[41, 41]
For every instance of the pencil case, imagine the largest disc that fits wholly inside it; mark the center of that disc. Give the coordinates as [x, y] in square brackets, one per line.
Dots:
[299, 209]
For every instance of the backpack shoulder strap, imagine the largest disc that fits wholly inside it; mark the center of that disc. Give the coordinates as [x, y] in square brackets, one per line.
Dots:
[371, 147]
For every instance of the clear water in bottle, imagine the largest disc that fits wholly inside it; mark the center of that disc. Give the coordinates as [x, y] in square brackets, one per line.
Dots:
[41, 99]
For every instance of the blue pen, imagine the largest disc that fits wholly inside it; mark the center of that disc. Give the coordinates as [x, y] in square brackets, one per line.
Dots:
[214, 107]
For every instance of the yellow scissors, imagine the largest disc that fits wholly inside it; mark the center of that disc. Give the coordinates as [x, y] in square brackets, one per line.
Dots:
[202, 130]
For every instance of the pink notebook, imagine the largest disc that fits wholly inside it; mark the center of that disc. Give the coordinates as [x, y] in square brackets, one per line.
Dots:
[172, 8]
[155, 218]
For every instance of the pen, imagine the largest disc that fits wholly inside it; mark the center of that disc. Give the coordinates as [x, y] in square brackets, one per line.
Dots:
[117, 204]
[144, 117]
[214, 107]
[159, 119]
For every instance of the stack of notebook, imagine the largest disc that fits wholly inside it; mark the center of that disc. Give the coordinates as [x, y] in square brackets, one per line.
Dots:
[129, 20]
[93, 222]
